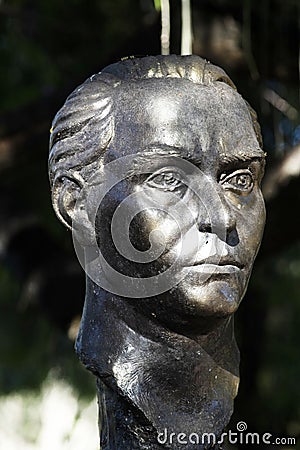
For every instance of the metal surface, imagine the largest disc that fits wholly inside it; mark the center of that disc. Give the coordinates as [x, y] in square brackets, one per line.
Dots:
[184, 208]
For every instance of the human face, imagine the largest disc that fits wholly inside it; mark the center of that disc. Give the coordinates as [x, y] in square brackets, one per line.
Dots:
[164, 124]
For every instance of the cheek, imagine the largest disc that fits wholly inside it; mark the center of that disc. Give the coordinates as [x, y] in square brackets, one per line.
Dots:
[152, 227]
[166, 223]
[251, 223]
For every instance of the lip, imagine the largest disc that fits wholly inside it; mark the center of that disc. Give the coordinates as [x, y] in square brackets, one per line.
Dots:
[216, 265]
[214, 268]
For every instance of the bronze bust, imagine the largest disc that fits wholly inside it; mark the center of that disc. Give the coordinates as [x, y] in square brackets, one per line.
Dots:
[155, 165]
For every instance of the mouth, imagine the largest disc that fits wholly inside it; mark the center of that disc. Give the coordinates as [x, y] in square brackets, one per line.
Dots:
[214, 265]
[214, 268]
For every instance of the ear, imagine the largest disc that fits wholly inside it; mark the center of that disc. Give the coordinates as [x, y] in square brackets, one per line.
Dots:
[65, 194]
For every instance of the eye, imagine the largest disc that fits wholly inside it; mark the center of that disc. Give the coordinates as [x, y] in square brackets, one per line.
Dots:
[166, 180]
[240, 182]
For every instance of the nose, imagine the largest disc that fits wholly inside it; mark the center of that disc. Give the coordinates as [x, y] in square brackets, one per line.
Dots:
[219, 219]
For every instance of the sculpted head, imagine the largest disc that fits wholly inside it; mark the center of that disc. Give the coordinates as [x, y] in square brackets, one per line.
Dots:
[195, 150]
[155, 166]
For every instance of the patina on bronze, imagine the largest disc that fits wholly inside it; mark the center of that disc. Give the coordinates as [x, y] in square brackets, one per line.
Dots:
[165, 363]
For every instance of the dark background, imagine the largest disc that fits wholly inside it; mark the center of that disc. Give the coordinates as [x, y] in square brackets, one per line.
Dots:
[49, 47]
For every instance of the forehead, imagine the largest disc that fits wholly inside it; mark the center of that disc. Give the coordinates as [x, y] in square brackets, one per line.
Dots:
[179, 114]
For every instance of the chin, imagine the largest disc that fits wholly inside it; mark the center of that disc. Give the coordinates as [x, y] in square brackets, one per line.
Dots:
[200, 309]
[192, 307]
[217, 298]
[213, 298]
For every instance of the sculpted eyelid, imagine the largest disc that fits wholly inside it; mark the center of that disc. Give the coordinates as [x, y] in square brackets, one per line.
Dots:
[249, 167]
[229, 175]
[167, 170]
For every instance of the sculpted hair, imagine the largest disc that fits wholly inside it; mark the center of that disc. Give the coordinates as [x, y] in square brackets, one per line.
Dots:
[83, 127]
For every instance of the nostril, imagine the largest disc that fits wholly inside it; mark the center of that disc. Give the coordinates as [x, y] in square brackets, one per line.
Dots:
[225, 229]
[205, 228]
[232, 238]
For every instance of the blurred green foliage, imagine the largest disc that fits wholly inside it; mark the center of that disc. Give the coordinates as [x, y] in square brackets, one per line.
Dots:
[44, 43]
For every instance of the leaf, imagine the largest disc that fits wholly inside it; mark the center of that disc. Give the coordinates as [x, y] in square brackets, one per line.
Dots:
[157, 5]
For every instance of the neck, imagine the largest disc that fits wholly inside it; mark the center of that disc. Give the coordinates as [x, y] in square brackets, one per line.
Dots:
[153, 382]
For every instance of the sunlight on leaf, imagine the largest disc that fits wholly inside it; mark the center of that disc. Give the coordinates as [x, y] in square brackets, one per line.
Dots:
[157, 5]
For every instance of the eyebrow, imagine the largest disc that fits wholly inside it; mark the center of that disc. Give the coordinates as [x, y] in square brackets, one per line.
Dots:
[227, 158]
[164, 150]
[161, 152]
